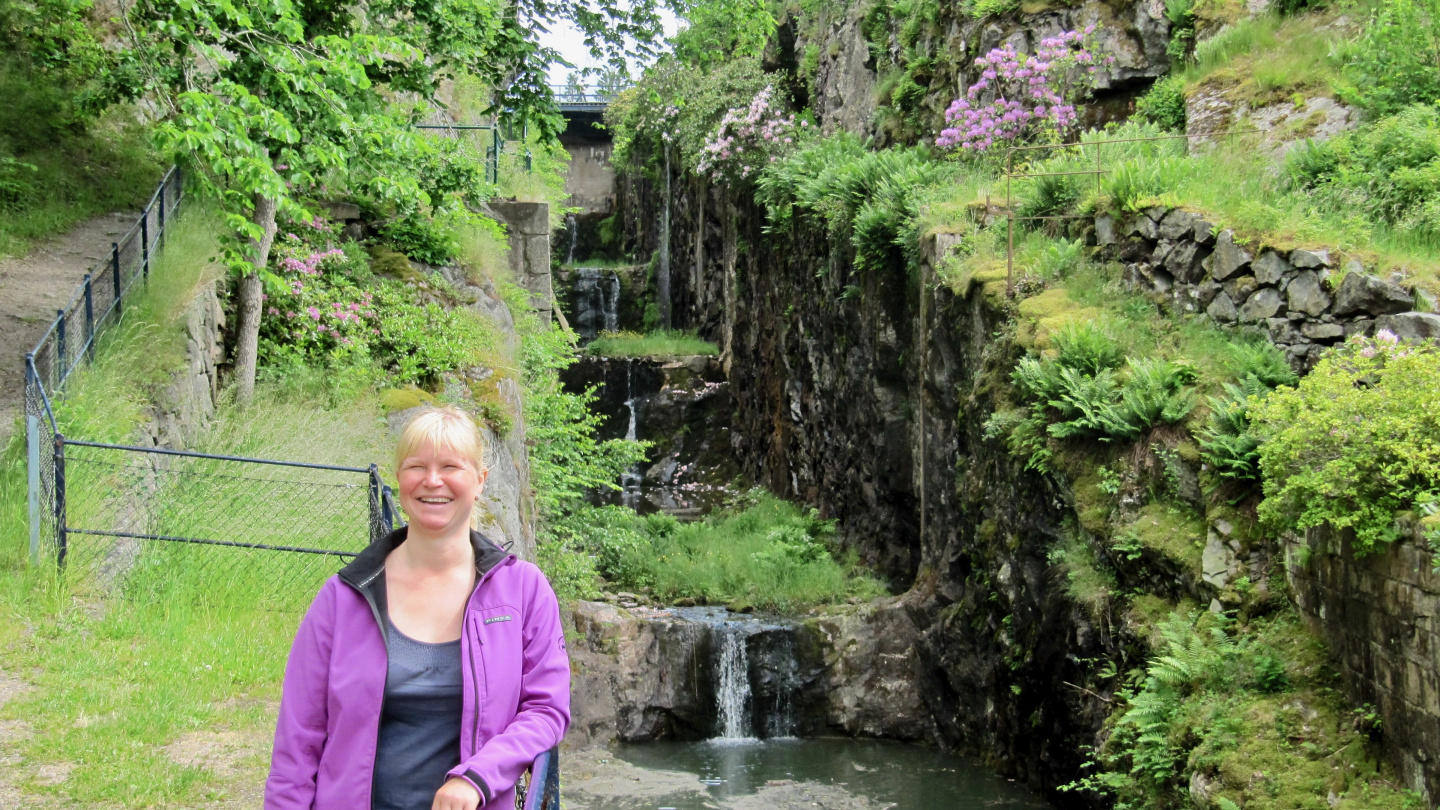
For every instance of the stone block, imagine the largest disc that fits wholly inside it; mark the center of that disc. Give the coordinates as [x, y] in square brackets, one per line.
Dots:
[1146, 227]
[1281, 330]
[530, 219]
[1156, 212]
[1323, 332]
[1222, 308]
[1368, 295]
[1177, 224]
[1304, 294]
[1230, 258]
[1270, 268]
[1411, 325]
[1184, 262]
[1310, 259]
[1358, 326]
[1205, 292]
[1105, 230]
[343, 211]
[1203, 233]
[1239, 287]
[1260, 305]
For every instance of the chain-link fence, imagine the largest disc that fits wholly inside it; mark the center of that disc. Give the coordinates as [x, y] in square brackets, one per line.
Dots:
[98, 303]
[148, 523]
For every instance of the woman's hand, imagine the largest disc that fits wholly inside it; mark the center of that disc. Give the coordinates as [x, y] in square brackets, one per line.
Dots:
[456, 794]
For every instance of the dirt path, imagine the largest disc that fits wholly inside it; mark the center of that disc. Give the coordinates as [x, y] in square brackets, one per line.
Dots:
[33, 286]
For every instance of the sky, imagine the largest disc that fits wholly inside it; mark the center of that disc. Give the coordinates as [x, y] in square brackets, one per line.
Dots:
[571, 44]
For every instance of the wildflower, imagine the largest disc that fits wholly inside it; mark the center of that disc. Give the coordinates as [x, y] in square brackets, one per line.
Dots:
[313, 312]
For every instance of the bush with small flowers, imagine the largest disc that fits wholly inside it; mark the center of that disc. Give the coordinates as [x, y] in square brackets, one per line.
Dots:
[324, 306]
[750, 138]
[1022, 96]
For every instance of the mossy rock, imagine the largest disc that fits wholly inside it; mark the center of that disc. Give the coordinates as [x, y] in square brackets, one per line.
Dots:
[389, 262]
[491, 405]
[1092, 504]
[1043, 315]
[1172, 532]
[394, 400]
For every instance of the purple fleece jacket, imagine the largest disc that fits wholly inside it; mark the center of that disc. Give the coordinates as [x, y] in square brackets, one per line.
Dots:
[516, 690]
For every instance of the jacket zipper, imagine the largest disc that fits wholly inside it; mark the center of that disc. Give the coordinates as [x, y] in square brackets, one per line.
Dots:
[474, 667]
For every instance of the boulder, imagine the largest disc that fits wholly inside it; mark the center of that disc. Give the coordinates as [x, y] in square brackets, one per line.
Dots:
[1146, 227]
[1411, 325]
[1229, 257]
[1222, 309]
[1360, 293]
[1310, 259]
[1205, 292]
[1281, 330]
[1262, 304]
[1304, 294]
[1270, 268]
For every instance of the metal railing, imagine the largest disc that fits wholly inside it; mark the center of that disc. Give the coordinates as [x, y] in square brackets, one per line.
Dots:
[471, 135]
[70, 339]
[596, 94]
[1098, 171]
[147, 522]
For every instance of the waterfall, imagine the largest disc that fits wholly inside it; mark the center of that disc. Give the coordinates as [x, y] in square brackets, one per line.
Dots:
[732, 684]
[597, 302]
[630, 481]
[611, 303]
[662, 273]
[574, 227]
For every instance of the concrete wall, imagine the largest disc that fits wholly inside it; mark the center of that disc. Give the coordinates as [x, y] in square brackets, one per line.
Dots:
[528, 225]
[590, 180]
[1380, 614]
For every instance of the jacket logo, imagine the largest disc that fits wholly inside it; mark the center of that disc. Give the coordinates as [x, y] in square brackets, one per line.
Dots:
[494, 619]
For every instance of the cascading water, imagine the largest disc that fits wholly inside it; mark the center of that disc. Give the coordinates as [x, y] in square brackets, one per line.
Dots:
[630, 480]
[597, 302]
[570, 222]
[732, 683]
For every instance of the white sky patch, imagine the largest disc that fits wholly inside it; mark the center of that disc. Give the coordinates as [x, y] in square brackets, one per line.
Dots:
[568, 40]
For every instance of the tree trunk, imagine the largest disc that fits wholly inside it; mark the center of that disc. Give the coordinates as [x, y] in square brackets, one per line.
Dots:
[247, 330]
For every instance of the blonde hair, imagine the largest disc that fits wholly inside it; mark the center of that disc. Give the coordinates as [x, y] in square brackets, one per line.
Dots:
[443, 428]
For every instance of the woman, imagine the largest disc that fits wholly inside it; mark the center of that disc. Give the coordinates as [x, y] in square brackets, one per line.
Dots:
[432, 670]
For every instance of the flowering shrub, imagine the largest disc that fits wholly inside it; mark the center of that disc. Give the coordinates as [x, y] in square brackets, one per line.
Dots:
[1019, 95]
[749, 138]
[1357, 441]
[322, 304]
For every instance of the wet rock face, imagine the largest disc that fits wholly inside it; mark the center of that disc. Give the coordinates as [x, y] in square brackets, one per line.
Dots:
[654, 674]
[682, 405]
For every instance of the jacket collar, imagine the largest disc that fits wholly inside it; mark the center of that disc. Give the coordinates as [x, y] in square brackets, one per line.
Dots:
[368, 564]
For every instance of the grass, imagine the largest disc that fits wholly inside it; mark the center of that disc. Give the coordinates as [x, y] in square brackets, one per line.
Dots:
[772, 555]
[661, 343]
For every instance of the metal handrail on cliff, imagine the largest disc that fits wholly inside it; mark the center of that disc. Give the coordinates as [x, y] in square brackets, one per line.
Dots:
[1098, 171]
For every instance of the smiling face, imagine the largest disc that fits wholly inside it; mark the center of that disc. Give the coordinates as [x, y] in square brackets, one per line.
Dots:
[438, 488]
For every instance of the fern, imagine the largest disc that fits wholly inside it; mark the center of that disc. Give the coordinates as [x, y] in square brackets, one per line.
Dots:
[1155, 394]
[1226, 442]
[1087, 347]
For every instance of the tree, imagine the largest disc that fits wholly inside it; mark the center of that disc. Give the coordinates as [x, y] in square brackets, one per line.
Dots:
[274, 99]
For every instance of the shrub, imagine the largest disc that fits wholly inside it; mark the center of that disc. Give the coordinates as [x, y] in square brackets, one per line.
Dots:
[1390, 170]
[1356, 442]
[1164, 104]
[1019, 96]
[1091, 401]
[1396, 60]
[1227, 444]
[1087, 347]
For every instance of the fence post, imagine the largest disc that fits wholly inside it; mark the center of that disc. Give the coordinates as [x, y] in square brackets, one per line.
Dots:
[160, 224]
[115, 275]
[376, 519]
[145, 239]
[89, 317]
[60, 538]
[60, 344]
[32, 446]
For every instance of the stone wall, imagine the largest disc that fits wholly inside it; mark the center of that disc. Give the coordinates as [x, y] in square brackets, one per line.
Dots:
[1184, 261]
[1380, 614]
[185, 406]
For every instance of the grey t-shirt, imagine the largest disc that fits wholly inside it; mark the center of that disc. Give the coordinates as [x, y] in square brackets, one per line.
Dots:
[420, 725]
